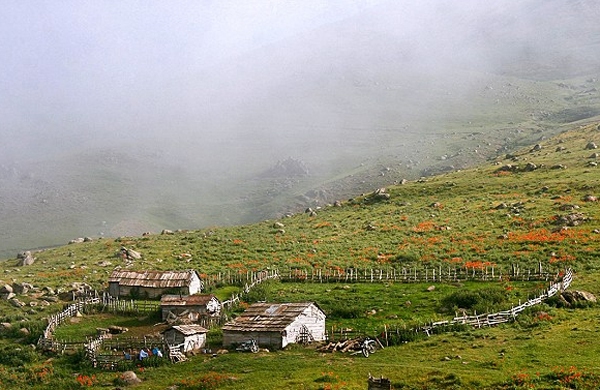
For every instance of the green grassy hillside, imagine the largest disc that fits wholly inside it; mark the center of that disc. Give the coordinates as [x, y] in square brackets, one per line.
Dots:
[534, 208]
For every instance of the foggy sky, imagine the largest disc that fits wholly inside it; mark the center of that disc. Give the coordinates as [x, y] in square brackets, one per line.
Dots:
[95, 68]
[77, 72]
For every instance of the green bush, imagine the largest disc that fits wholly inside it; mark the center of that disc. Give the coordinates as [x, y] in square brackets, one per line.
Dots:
[16, 356]
[481, 301]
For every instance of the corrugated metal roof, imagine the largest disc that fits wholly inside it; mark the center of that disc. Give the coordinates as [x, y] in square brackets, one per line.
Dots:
[188, 330]
[268, 317]
[186, 300]
[152, 279]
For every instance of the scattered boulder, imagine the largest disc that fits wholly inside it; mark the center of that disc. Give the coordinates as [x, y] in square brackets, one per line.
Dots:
[574, 219]
[536, 148]
[591, 146]
[130, 378]
[594, 155]
[48, 290]
[6, 289]
[572, 297]
[129, 254]
[4, 326]
[590, 198]
[166, 231]
[568, 207]
[21, 288]
[16, 303]
[558, 166]
[380, 194]
[431, 288]
[25, 258]
[77, 240]
[50, 298]
[114, 329]
[278, 225]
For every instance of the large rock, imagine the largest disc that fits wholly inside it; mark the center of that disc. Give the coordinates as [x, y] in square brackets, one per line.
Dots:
[6, 289]
[25, 258]
[129, 254]
[21, 288]
[130, 378]
[578, 296]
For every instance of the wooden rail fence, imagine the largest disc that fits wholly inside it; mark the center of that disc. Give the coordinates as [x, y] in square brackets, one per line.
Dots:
[475, 321]
[416, 274]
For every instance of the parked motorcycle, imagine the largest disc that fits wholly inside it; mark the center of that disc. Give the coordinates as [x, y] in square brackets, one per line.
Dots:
[248, 346]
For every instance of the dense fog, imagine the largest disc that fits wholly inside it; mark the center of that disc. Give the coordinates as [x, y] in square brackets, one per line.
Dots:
[210, 91]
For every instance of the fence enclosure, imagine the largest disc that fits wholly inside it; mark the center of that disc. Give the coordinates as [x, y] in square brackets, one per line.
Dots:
[100, 349]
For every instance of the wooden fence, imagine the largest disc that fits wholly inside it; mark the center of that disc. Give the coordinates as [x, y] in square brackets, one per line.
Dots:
[416, 274]
[265, 275]
[478, 321]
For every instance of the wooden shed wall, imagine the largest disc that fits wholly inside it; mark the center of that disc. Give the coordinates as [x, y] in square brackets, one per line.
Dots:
[272, 340]
[313, 319]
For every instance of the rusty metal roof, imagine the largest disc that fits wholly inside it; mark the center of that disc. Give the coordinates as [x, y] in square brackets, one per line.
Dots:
[188, 330]
[153, 279]
[186, 300]
[268, 317]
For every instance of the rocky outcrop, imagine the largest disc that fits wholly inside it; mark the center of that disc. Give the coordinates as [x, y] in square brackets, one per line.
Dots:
[25, 259]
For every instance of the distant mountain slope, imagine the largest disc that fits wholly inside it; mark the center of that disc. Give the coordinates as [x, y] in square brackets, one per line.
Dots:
[369, 100]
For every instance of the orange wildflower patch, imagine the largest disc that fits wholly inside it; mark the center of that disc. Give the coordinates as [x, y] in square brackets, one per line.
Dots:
[424, 226]
[539, 235]
[478, 264]
[321, 225]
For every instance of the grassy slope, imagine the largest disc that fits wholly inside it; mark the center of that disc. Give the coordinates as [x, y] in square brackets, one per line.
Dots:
[405, 235]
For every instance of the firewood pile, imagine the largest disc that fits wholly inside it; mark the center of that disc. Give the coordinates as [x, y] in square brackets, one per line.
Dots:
[349, 345]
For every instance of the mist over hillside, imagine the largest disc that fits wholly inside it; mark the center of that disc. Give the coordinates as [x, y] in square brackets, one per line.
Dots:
[131, 118]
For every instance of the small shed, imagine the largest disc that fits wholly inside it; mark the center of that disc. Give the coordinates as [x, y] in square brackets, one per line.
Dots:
[153, 284]
[189, 337]
[190, 307]
[275, 325]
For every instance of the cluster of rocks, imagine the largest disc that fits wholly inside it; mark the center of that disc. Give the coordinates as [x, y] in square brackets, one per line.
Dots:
[573, 219]
[79, 240]
[529, 167]
[514, 208]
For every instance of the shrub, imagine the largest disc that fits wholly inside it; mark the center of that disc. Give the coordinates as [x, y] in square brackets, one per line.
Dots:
[481, 301]
[16, 357]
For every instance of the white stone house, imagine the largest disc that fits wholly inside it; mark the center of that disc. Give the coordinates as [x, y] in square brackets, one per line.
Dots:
[275, 325]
